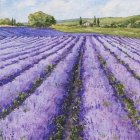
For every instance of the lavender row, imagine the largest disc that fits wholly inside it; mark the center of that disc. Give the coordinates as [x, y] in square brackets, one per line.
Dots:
[23, 46]
[8, 39]
[132, 64]
[127, 49]
[10, 72]
[24, 82]
[24, 31]
[132, 41]
[17, 41]
[38, 50]
[128, 54]
[20, 49]
[29, 53]
[102, 114]
[34, 117]
[128, 42]
[131, 85]
[137, 41]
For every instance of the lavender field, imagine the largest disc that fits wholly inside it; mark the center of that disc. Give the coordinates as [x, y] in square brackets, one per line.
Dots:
[66, 86]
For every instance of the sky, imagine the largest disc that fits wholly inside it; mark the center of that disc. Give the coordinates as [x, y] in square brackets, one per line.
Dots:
[69, 9]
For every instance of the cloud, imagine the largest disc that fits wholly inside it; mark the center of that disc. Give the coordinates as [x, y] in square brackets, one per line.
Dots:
[68, 9]
[2, 1]
[25, 3]
[121, 8]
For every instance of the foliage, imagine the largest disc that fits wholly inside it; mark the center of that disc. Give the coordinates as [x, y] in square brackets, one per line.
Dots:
[94, 21]
[98, 22]
[40, 19]
[5, 21]
[80, 21]
[13, 22]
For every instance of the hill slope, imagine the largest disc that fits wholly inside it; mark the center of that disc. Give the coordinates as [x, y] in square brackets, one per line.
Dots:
[105, 21]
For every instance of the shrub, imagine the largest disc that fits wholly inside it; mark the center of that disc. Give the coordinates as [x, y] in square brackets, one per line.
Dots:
[40, 19]
[5, 21]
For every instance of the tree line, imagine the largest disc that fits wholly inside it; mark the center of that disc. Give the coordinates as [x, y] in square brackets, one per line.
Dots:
[10, 22]
[37, 19]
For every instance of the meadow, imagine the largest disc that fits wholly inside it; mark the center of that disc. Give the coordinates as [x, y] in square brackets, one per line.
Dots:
[124, 32]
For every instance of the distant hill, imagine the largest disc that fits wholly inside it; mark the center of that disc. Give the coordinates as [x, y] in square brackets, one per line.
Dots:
[107, 21]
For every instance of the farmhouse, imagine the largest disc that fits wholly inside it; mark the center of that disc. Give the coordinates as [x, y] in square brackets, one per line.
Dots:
[87, 24]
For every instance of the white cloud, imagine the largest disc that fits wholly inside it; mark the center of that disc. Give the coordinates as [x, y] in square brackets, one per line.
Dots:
[2, 1]
[25, 3]
[67, 9]
[121, 8]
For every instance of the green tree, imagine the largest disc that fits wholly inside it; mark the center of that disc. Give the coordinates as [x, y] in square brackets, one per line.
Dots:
[14, 21]
[5, 21]
[94, 21]
[80, 21]
[98, 22]
[40, 19]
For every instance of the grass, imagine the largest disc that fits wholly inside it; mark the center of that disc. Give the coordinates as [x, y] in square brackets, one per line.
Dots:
[119, 20]
[125, 32]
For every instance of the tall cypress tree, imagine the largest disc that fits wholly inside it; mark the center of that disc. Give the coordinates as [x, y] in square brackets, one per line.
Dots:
[94, 20]
[12, 22]
[98, 22]
[80, 21]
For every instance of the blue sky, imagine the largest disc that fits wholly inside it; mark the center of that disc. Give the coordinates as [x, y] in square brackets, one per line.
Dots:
[68, 9]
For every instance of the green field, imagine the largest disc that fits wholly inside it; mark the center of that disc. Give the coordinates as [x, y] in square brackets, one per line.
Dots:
[123, 26]
[128, 32]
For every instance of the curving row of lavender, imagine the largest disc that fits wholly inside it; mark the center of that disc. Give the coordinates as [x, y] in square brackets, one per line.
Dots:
[104, 117]
[38, 69]
[24, 31]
